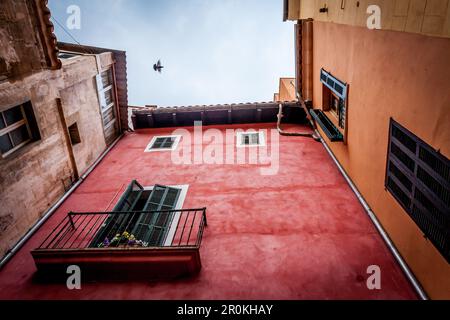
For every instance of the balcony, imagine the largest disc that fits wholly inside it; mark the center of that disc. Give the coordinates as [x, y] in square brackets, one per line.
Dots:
[137, 245]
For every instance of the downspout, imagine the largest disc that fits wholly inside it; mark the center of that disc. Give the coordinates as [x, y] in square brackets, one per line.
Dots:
[406, 270]
[67, 139]
[312, 134]
[413, 280]
[306, 53]
[53, 208]
[116, 95]
[298, 32]
[306, 73]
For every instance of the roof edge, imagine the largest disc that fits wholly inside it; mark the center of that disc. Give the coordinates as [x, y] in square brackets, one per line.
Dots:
[47, 34]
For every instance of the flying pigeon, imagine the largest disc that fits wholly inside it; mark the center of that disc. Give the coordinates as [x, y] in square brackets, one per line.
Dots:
[157, 66]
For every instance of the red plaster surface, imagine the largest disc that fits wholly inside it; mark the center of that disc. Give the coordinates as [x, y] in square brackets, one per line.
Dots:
[300, 234]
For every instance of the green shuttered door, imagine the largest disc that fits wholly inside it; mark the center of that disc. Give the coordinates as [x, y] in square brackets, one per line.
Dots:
[153, 227]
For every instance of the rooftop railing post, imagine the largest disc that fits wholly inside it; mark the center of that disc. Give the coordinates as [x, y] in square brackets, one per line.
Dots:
[204, 217]
[71, 220]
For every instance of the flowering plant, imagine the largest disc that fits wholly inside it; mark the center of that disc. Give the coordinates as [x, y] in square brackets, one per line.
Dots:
[123, 239]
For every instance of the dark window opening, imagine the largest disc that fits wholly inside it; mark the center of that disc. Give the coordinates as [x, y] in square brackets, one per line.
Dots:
[333, 104]
[250, 139]
[163, 143]
[418, 178]
[67, 55]
[108, 116]
[17, 128]
[74, 134]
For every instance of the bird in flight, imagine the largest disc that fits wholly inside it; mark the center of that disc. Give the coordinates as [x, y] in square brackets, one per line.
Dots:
[157, 66]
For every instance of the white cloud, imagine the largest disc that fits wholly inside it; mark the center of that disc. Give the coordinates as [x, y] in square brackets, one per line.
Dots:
[214, 51]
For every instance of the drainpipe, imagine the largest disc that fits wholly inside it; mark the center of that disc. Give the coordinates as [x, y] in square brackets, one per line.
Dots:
[116, 95]
[306, 52]
[52, 209]
[415, 283]
[300, 134]
[300, 75]
[67, 140]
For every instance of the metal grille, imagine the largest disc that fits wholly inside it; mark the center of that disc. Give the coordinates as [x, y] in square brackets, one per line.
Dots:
[418, 178]
[78, 229]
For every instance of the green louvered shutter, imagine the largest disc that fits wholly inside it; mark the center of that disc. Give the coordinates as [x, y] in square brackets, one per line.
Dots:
[153, 227]
[116, 223]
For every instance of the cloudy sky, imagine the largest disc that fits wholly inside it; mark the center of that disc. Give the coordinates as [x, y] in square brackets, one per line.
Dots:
[214, 51]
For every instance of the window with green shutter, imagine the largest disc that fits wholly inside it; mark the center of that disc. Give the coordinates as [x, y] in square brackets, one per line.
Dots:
[152, 228]
[149, 228]
[115, 223]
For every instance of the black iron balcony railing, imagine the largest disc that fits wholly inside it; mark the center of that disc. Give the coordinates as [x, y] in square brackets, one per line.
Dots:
[137, 229]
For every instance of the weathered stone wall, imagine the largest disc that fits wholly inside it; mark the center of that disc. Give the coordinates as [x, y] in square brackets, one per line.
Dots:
[35, 176]
[21, 50]
[81, 106]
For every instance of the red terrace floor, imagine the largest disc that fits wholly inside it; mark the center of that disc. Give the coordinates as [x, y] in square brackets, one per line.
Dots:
[300, 234]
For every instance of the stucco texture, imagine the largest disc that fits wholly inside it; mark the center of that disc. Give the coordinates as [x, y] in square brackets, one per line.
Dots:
[390, 74]
[298, 234]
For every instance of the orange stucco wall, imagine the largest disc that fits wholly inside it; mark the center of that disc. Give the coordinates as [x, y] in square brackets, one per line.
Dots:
[390, 74]
[287, 89]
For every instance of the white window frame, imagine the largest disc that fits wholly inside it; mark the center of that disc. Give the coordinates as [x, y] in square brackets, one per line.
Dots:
[101, 95]
[14, 126]
[174, 145]
[262, 139]
[177, 215]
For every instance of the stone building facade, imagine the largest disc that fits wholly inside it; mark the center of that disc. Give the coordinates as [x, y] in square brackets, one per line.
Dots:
[59, 110]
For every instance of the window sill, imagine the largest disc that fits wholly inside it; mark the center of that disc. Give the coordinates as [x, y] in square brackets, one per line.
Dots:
[20, 151]
[333, 117]
[329, 128]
